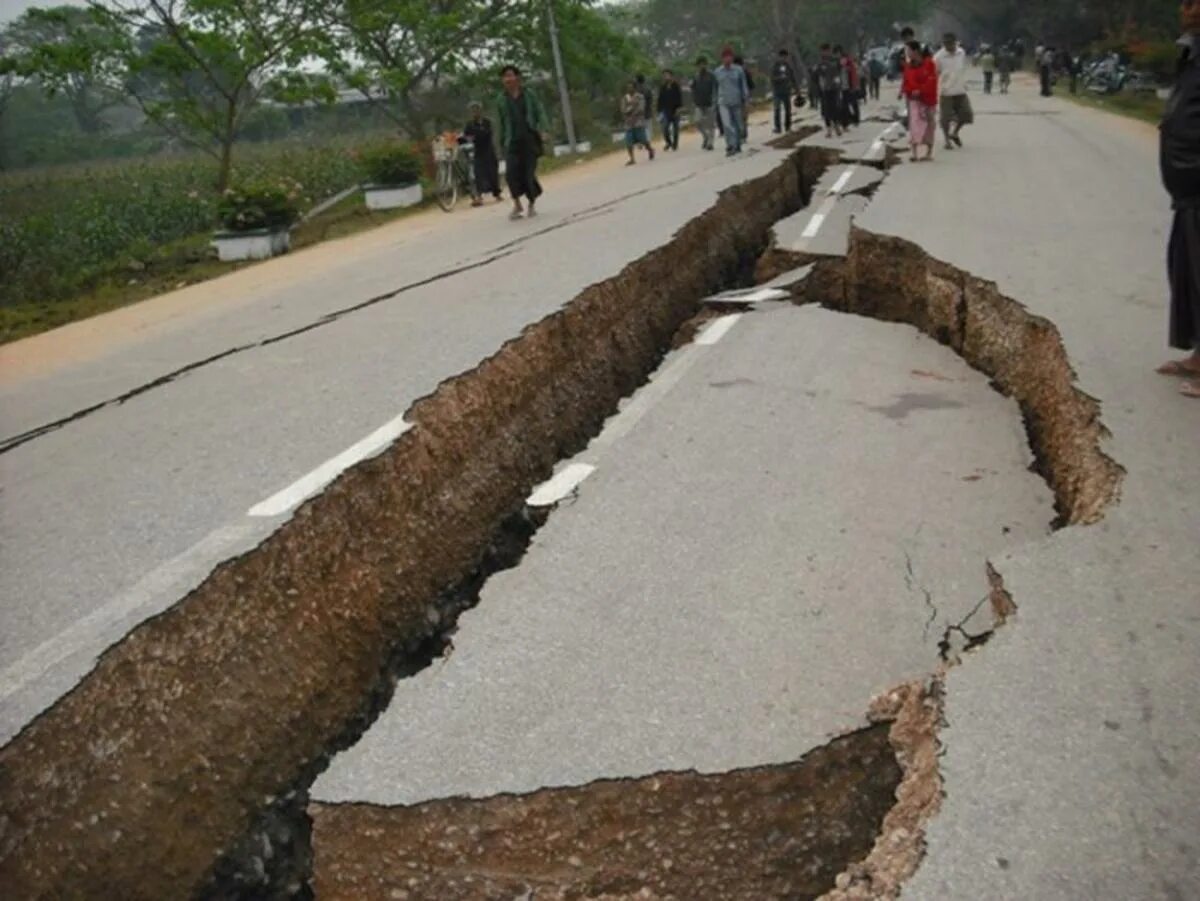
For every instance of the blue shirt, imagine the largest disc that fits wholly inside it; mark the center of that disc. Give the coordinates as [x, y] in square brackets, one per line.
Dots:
[732, 89]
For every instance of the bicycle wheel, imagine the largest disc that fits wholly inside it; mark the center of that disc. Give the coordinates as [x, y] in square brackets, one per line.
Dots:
[447, 185]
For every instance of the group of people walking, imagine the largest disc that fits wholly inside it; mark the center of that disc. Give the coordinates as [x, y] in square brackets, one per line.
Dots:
[721, 97]
[934, 86]
[836, 84]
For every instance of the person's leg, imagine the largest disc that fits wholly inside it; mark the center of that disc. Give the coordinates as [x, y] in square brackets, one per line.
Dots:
[725, 113]
[630, 139]
[533, 187]
[778, 108]
[1183, 278]
[946, 110]
[675, 132]
[736, 127]
[514, 175]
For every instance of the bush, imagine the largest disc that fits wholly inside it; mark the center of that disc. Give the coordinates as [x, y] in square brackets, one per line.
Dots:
[390, 163]
[1159, 58]
[260, 204]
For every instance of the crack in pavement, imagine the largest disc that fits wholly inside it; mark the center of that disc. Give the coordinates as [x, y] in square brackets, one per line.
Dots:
[16, 441]
[910, 579]
[493, 255]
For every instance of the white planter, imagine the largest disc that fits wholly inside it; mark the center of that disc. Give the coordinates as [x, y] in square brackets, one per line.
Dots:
[391, 197]
[618, 137]
[580, 147]
[259, 244]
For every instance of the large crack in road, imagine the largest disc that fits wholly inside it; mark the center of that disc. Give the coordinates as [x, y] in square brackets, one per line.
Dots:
[205, 725]
[204, 717]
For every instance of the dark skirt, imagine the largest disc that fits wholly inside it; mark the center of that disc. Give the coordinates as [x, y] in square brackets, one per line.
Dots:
[1183, 271]
[487, 172]
[521, 171]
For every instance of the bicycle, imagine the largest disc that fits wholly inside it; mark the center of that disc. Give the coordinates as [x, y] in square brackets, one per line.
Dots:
[455, 163]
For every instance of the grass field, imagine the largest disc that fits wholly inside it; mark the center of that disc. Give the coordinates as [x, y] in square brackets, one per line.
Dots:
[1143, 106]
[82, 240]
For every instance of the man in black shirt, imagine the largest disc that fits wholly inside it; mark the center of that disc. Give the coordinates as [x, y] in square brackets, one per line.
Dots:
[783, 88]
[670, 99]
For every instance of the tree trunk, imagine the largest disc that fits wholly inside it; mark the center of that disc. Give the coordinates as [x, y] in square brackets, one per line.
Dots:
[227, 138]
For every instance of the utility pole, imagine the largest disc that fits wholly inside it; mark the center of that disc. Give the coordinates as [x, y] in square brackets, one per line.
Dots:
[564, 94]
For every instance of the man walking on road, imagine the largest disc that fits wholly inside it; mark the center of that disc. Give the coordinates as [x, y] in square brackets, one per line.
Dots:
[1004, 65]
[987, 62]
[704, 95]
[875, 72]
[633, 113]
[1046, 68]
[951, 62]
[732, 96]
[523, 127]
[831, 79]
[1179, 160]
[670, 100]
[783, 88]
[647, 101]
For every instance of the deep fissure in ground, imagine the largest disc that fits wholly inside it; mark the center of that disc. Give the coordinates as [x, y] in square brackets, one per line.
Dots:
[177, 764]
[181, 763]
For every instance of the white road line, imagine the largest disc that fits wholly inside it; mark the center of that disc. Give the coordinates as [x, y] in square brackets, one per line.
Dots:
[877, 145]
[814, 226]
[842, 181]
[562, 484]
[308, 485]
[744, 295]
[159, 588]
[717, 330]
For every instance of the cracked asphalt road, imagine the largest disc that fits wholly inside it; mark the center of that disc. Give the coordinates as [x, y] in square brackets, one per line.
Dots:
[670, 586]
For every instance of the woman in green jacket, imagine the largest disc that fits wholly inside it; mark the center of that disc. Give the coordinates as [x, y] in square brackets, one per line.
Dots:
[523, 127]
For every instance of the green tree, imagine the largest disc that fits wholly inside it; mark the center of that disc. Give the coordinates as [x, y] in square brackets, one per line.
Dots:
[196, 68]
[398, 52]
[45, 42]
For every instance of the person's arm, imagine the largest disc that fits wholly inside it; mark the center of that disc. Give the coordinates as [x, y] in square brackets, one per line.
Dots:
[502, 118]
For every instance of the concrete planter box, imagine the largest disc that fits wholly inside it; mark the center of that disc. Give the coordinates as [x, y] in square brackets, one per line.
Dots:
[580, 147]
[391, 197]
[258, 244]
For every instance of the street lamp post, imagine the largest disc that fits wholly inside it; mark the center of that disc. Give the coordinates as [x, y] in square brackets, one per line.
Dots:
[564, 94]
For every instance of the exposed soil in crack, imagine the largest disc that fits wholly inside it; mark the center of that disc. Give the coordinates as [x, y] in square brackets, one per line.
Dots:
[194, 736]
[768, 832]
[894, 280]
[793, 138]
[915, 714]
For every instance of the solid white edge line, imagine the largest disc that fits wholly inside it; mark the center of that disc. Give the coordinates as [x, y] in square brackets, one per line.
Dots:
[560, 485]
[163, 584]
[718, 329]
[308, 485]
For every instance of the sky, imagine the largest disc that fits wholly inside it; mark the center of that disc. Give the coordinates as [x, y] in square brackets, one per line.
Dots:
[10, 9]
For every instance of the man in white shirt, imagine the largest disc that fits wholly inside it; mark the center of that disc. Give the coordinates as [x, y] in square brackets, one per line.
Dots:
[956, 111]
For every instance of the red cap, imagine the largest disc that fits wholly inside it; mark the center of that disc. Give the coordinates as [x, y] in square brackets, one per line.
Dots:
[726, 51]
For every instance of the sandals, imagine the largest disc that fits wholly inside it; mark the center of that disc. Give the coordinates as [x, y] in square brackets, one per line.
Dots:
[516, 216]
[1191, 389]
[1180, 369]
